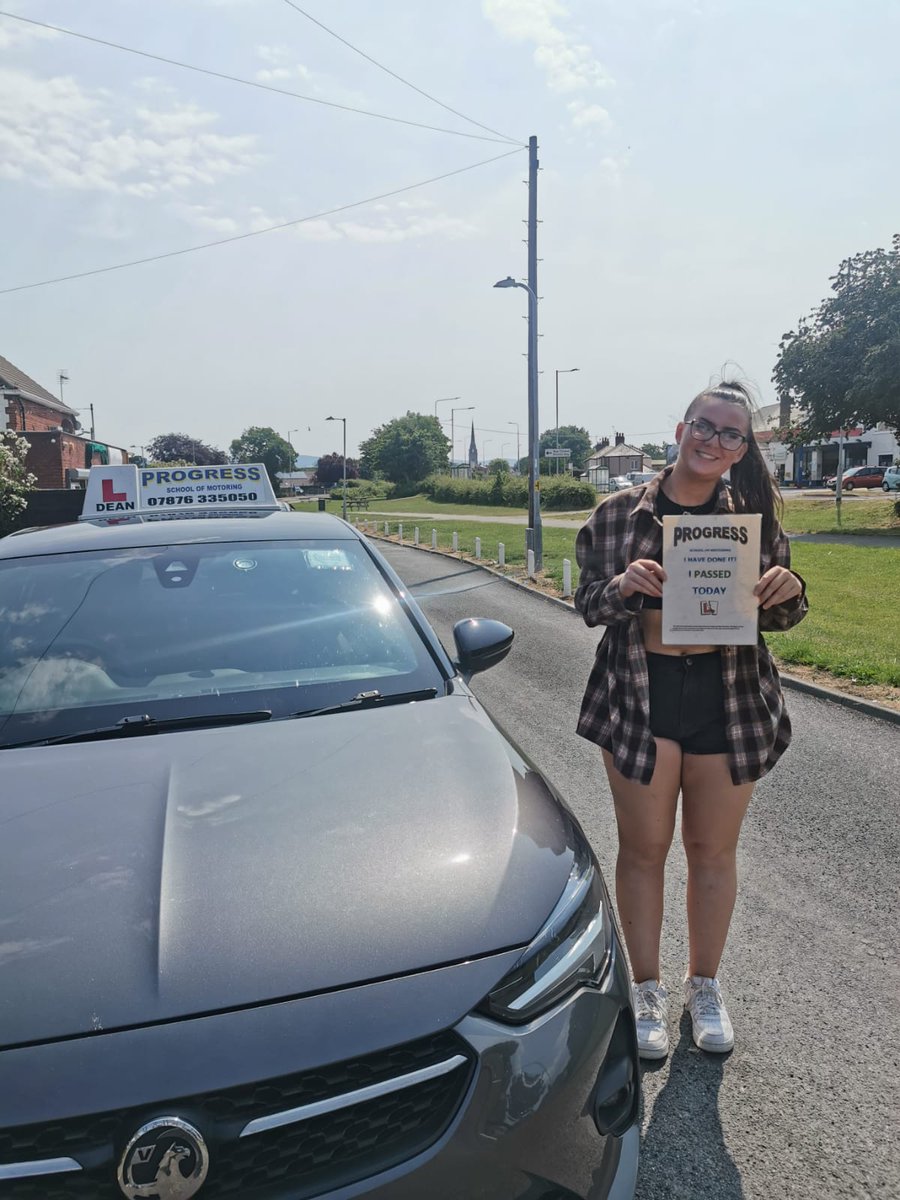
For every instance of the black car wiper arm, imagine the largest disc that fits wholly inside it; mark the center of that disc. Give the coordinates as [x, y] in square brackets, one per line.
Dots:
[373, 699]
[143, 723]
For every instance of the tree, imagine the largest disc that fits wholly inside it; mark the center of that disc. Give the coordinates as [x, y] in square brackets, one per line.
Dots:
[577, 440]
[330, 469]
[498, 466]
[653, 450]
[406, 449]
[841, 366]
[260, 444]
[15, 480]
[180, 448]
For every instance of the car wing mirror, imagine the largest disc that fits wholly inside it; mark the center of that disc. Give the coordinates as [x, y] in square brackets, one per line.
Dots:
[480, 643]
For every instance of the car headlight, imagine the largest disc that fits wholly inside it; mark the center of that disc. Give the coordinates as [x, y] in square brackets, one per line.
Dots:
[572, 950]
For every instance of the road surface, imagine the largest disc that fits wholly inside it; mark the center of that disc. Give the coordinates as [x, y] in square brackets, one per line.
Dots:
[807, 1105]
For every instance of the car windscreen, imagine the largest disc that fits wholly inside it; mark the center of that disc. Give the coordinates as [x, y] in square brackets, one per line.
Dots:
[90, 638]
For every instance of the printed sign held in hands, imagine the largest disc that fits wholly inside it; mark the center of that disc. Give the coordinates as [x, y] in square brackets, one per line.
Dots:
[712, 567]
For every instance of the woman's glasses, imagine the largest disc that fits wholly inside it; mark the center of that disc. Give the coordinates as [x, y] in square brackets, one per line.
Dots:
[729, 439]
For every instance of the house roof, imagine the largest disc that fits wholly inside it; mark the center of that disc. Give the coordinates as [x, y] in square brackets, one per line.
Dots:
[619, 451]
[13, 379]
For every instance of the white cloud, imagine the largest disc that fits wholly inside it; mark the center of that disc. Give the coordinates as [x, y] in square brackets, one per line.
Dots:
[54, 133]
[14, 35]
[385, 224]
[568, 63]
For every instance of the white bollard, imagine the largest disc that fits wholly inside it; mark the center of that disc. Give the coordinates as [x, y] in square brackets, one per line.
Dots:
[386, 528]
[455, 542]
[531, 564]
[434, 539]
[501, 554]
[416, 536]
[478, 547]
[400, 532]
[567, 578]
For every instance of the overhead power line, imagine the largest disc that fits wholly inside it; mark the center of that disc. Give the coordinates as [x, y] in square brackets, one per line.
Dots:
[254, 83]
[240, 237]
[393, 74]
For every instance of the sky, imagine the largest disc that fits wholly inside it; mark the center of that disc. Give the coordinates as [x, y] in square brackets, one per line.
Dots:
[705, 166]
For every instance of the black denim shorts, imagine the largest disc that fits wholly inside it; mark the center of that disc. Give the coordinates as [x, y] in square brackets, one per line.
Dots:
[687, 701]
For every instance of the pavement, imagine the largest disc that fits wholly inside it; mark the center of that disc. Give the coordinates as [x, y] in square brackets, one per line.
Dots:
[805, 1107]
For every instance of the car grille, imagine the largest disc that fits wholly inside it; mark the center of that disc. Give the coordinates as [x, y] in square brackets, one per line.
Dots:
[300, 1159]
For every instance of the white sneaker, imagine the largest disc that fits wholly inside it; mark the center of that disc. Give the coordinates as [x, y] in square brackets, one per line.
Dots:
[712, 1028]
[650, 1012]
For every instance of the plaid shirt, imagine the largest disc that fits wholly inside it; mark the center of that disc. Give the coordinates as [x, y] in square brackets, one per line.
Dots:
[615, 712]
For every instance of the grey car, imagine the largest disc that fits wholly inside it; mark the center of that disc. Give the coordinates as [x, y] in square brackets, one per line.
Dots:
[283, 912]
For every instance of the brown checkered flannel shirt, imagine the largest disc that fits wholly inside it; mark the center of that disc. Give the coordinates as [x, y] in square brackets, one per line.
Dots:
[615, 712]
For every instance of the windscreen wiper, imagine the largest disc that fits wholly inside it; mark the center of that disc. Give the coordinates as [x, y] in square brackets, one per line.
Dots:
[373, 699]
[143, 723]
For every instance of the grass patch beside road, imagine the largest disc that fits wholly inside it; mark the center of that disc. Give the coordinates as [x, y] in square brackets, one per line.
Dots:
[859, 515]
[853, 627]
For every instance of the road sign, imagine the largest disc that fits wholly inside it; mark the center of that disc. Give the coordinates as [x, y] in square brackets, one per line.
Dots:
[558, 452]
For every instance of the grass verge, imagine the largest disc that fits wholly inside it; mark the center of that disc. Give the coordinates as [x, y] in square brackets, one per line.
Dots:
[852, 631]
[859, 515]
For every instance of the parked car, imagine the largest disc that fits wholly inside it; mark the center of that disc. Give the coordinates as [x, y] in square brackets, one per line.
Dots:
[284, 912]
[636, 477]
[891, 480]
[618, 483]
[856, 477]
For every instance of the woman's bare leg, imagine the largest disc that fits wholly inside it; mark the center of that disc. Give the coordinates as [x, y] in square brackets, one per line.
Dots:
[712, 812]
[645, 815]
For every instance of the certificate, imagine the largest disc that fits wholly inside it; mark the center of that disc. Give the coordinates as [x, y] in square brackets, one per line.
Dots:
[712, 566]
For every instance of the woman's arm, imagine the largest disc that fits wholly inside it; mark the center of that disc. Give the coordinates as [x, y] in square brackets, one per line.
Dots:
[609, 590]
[782, 605]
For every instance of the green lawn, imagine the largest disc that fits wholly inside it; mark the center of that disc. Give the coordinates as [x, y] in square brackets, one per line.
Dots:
[853, 628]
[802, 514]
[859, 514]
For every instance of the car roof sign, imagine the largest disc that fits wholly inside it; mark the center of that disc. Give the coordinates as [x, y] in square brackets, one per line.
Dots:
[116, 493]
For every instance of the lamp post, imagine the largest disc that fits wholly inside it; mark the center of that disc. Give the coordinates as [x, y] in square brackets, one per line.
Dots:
[344, 466]
[453, 412]
[444, 400]
[534, 533]
[518, 452]
[503, 446]
[563, 371]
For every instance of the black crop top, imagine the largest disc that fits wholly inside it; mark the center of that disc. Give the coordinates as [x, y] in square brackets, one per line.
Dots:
[668, 508]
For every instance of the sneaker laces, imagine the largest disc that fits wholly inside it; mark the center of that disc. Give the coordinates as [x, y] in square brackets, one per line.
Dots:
[707, 1000]
[649, 1004]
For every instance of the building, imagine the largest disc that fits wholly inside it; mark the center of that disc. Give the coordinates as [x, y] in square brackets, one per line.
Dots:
[607, 461]
[59, 453]
[812, 464]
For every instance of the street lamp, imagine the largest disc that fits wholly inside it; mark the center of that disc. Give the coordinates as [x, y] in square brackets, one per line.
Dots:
[453, 412]
[564, 371]
[444, 400]
[503, 446]
[518, 453]
[534, 533]
[344, 465]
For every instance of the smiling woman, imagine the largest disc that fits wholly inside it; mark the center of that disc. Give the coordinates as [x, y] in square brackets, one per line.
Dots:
[703, 720]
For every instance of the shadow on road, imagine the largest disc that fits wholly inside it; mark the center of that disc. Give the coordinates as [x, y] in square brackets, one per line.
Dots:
[683, 1151]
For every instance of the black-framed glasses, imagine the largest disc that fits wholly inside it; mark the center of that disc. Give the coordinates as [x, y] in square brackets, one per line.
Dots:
[703, 431]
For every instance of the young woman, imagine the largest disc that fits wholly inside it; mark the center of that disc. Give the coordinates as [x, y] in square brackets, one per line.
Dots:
[705, 721]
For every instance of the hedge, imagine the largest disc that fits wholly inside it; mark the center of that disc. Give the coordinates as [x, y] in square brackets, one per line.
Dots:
[364, 489]
[560, 492]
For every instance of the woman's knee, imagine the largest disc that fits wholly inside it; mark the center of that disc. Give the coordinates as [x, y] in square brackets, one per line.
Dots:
[643, 854]
[702, 851]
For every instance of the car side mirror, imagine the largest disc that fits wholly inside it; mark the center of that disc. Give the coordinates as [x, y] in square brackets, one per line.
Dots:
[480, 643]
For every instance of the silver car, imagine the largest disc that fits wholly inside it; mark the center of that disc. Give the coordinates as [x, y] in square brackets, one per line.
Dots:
[284, 913]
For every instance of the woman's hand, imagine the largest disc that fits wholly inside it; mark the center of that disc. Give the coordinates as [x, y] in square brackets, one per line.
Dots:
[777, 586]
[643, 575]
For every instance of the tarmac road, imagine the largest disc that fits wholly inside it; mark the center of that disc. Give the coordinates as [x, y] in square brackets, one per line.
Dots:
[807, 1104]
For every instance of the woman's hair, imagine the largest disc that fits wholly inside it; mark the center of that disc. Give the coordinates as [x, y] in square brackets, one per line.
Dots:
[752, 487]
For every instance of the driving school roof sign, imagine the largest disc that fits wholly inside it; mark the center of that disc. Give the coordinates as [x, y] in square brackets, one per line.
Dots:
[123, 491]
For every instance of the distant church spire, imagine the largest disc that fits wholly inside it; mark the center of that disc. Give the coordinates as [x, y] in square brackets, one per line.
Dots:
[473, 449]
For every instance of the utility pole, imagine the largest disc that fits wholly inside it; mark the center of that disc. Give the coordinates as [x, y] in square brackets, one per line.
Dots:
[536, 539]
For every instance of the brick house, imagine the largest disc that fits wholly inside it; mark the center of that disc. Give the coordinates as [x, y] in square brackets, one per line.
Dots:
[58, 451]
[618, 458]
